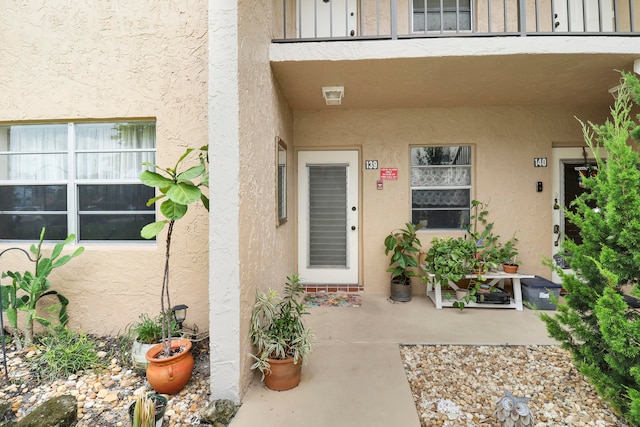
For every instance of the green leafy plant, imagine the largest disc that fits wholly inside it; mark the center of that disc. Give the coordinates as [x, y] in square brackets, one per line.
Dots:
[451, 259]
[144, 413]
[507, 253]
[148, 330]
[404, 246]
[178, 189]
[28, 288]
[277, 330]
[596, 323]
[63, 352]
[481, 232]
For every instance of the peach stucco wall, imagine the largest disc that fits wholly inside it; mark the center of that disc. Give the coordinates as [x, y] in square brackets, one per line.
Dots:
[108, 60]
[266, 250]
[505, 141]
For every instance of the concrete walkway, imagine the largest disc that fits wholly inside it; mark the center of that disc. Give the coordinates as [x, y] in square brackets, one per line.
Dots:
[355, 376]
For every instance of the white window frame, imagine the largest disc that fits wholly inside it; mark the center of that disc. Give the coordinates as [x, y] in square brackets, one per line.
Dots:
[442, 10]
[416, 185]
[72, 182]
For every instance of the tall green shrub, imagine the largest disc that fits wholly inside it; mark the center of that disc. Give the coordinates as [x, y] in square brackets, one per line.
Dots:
[596, 323]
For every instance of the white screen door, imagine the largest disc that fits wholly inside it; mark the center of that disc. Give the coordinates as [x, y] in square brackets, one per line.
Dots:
[595, 15]
[328, 217]
[319, 18]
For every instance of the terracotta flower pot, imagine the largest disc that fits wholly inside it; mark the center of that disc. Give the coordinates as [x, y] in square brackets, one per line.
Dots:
[510, 268]
[284, 374]
[169, 375]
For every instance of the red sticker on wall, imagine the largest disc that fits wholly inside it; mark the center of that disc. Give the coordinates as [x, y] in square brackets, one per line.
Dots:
[389, 173]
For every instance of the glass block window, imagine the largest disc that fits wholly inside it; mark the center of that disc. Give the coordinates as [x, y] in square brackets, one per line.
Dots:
[441, 15]
[441, 186]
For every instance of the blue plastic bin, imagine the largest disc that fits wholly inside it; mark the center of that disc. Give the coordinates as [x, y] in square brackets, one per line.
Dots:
[539, 292]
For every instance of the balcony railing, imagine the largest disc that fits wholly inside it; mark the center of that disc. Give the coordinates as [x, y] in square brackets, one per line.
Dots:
[313, 20]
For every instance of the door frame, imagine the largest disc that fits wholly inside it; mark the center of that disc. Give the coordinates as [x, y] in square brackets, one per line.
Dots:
[357, 240]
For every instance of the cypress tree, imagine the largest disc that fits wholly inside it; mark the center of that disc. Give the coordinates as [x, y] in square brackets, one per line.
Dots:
[596, 323]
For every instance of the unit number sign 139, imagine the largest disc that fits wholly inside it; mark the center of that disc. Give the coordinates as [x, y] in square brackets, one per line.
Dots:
[371, 164]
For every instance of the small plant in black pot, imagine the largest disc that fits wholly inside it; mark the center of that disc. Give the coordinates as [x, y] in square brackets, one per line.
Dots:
[404, 246]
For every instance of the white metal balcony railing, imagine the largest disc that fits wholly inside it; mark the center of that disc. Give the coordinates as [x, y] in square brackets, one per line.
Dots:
[306, 20]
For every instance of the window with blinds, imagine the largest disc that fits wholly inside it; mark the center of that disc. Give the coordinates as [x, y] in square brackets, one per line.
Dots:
[328, 216]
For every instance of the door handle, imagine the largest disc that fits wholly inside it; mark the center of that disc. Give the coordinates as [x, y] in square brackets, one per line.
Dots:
[353, 227]
[556, 229]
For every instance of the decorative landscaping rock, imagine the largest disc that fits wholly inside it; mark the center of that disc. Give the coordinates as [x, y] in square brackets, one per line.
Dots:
[218, 413]
[5, 414]
[61, 411]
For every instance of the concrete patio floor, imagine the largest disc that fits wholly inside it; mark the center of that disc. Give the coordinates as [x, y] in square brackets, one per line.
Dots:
[355, 376]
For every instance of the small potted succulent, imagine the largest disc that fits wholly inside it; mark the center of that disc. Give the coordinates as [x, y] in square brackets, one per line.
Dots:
[281, 339]
[404, 246]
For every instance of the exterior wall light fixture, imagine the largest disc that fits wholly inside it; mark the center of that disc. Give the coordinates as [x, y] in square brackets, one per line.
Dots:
[333, 94]
[180, 313]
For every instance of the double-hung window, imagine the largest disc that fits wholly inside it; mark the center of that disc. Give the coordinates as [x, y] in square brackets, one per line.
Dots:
[441, 186]
[441, 15]
[79, 178]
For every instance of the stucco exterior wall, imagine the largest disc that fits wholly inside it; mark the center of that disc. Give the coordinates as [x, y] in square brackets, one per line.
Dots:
[108, 60]
[505, 141]
[266, 250]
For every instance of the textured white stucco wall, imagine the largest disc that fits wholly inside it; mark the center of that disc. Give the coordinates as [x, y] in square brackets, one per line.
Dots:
[247, 114]
[108, 60]
[505, 142]
[266, 250]
[224, 289]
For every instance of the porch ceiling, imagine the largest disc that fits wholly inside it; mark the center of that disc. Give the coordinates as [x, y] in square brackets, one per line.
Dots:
[454, 81]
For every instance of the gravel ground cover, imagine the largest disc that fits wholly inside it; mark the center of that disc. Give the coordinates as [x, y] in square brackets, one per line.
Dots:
[457, 385]
[103, 396]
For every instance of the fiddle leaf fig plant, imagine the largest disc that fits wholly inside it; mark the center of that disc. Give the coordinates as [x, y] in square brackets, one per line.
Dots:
[179, 188]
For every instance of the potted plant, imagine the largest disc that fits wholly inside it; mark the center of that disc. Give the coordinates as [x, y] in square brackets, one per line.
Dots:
[144, 334]
[147, 410]
[507, 256]
[171, 363]
[404, 246]
[449, 260]
[281, 339]
[481, 232]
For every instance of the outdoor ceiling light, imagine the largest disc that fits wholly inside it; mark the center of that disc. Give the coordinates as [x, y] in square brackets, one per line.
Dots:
[333, 94]
[180, 313]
